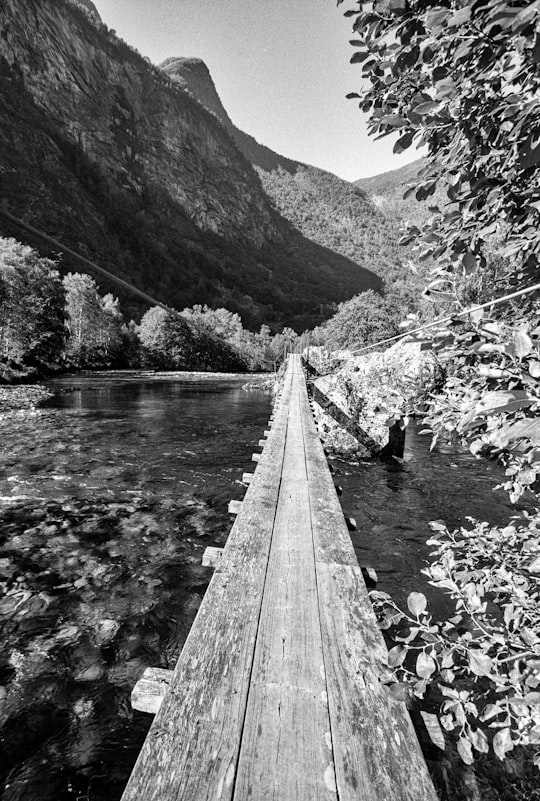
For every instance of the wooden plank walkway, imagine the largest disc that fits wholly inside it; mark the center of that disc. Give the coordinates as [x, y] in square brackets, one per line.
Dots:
[277, 693]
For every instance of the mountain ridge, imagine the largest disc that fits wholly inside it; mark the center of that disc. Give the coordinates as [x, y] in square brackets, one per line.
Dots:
[104, 151]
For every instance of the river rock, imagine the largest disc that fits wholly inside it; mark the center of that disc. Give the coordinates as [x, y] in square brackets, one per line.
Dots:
[106, 631]
[375, 390]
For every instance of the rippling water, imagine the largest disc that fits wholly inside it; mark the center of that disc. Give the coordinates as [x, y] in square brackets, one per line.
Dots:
[109, 496]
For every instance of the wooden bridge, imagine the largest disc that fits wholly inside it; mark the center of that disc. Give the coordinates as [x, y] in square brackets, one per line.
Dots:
[278, 692]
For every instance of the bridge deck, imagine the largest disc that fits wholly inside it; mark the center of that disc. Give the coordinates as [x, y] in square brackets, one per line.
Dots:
[277, 692]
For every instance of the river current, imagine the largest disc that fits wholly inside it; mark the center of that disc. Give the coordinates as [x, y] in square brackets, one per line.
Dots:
[109, 495]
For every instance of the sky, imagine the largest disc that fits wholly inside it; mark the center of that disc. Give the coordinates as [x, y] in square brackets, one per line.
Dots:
[281, 68]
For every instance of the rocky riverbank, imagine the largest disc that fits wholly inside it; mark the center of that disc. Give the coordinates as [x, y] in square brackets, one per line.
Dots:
[22, 398]
[375, 390]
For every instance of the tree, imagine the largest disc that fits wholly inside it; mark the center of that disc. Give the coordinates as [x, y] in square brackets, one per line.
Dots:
[462, 79]
[169, 343]
[364, 320]
[94, 323]
[31, 305]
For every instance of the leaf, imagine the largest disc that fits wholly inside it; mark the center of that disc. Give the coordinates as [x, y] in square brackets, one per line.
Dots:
[395, 120]
[396, 655]
[403, 142]
[503, 401]
[417, 603]
[522, 344]
[529, 152]
[480, 664]
[460, 17]
[399, 692]
[434, 730]
[360, 56]
[425, 665]
[479, 740]
[534, 566]
[490, 711]
[426, 108]
[465, 750]
[528, 428]
[534, 368]
[502, 743]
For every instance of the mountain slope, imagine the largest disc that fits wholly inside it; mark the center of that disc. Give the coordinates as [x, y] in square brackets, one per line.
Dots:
[103, 151]
[326, 209]
[386, 191]
[193, 75]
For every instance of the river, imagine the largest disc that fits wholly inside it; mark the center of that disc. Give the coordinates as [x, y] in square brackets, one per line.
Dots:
[109, 494]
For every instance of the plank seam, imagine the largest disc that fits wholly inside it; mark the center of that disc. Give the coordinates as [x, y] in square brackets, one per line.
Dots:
[324, 655]
[244, 717]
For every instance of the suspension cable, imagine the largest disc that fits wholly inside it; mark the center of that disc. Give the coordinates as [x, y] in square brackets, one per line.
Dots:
[89, 265]
[451, 317]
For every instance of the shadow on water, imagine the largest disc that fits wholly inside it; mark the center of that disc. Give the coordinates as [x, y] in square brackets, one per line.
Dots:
[108, 498]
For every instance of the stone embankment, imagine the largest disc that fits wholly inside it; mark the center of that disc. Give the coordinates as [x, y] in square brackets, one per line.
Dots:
[377, 391]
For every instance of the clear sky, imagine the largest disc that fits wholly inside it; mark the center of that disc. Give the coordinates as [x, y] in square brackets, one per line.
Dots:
[281, 68]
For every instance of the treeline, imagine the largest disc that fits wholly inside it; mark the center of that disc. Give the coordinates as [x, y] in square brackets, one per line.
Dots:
[49, 322]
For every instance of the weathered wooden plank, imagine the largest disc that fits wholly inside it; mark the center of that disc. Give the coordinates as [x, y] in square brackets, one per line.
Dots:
[247, 478]
[256, 457]
[376, 753]
[212, 556]
[192, 748]
[234, 507]
[149, 691]
[286, 751]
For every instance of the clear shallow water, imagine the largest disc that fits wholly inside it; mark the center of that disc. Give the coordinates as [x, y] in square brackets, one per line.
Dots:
[393, 506]
[109, 496]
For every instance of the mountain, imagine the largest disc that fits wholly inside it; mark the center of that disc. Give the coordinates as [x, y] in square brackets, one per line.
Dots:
[194, 77]
[113, 157]
[386, 191]
[327, 210]
[90, 9]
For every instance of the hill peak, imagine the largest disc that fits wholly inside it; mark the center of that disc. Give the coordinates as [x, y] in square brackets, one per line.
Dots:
[89, 7]
[194, 77]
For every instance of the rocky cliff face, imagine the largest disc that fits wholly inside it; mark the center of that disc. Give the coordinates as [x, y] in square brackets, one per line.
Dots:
[193, 75]
[89, 7]
[141, 131]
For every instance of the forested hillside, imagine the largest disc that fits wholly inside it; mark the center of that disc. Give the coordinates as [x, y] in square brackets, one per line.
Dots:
[340, 216]
[387, 190]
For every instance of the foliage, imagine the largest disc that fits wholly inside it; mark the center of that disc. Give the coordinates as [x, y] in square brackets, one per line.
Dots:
[491, 399]
[364, 320]
[95, 324]
[260, 351]
[462, 79]
[339, 216]
[485, 660]
[31, 305]
[169, 343]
